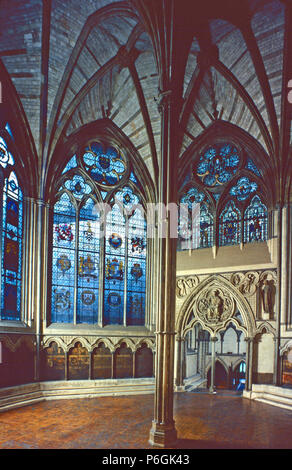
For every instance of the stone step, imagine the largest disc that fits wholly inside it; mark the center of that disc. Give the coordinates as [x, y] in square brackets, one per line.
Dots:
[194, 382]
[273, 402]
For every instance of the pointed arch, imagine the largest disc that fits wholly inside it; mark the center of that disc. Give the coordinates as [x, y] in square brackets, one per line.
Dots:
[186, 310]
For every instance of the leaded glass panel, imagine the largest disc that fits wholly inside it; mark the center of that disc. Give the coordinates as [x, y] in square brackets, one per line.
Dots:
[114, 278]
[206, 226]
[63, 260]
[81, 250]
[243, 188]
[136, 273]
[11, 249]
[106, 167]
[255, 221]
[230, 226]
[88, 263]
[218, 164]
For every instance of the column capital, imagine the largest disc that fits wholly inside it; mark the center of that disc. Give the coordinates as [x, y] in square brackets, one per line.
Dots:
[213, 339]
[165, 97]
[169, 333]
[38, 201]
[248, 339]
[179, 339]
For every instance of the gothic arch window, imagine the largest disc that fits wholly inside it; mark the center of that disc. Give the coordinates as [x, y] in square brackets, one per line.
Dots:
[199, 211]
[11, 217]
[255, 221]
[99, 248]
[229, 225]
[226, 184]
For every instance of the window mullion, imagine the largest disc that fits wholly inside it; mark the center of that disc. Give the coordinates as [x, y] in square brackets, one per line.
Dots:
[126, 272]
[102, 249]
[76, 267]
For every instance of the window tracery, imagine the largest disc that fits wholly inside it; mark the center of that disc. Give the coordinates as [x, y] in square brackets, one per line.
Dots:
[228, 187]
[12, 235]
[99, 253]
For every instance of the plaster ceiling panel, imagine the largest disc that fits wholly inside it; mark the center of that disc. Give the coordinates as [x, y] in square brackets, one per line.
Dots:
[144, 43]
[269, 25]
[20, 47]
[97, 102]
[119, 28]
[191, 63]
[194, 127]
[147, 72]
[67, 22]
[235, 56]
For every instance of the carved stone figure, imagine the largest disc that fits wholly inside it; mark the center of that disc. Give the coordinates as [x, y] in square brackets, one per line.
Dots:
[184, 285]
[248, 284]
[268, 295]
[214, 306]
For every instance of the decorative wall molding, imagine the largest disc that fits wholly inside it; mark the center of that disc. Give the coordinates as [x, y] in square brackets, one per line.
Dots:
[92, 342]
[286, 347]
[267, 327]
[230, 299]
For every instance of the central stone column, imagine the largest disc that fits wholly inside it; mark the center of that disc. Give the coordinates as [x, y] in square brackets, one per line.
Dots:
[212, 384]
[163, 432]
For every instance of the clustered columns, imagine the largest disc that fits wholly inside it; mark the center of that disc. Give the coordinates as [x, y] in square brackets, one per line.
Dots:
[35, 288]
[213, 358]
[163, 430]
[164, 21]
[180, 362]
[249, 361]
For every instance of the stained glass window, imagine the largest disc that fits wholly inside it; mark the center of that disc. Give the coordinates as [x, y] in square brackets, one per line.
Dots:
[99, 256]
[255, 221]
[229, 225]
[12, 233]
[63, 260]
[105, 166]
[250, 165]
[222, 171]
[206, 226]
[88, 263]
[136, 273]
[114, 282]
[199, 221]
[71, 164]
[218, 164]
[243, 189]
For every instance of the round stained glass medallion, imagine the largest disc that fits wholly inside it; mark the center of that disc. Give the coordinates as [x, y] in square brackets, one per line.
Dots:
[217, 164]
[105, 165]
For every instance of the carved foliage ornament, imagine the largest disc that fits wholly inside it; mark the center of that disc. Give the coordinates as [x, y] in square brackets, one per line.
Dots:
[214, 306]
[185, 284]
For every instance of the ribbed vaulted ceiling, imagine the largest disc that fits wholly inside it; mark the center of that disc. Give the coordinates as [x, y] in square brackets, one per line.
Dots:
[94, 59]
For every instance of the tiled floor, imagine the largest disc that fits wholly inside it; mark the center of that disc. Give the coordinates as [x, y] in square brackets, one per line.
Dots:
[203, 421]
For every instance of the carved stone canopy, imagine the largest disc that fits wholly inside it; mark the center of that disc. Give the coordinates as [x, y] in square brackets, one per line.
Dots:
[214, 306]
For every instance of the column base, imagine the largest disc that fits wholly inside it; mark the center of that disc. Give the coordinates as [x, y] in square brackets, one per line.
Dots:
[179, 388]
[163, 435]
